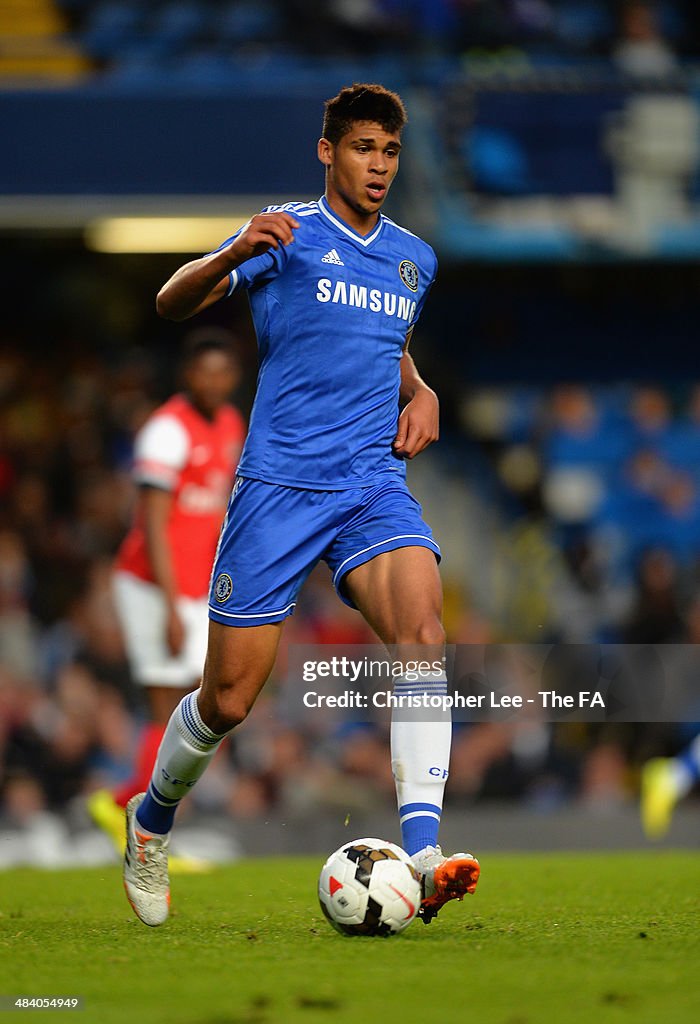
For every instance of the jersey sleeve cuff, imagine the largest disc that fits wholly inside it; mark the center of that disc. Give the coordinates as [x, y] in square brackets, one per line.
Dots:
[152, 475]
[234, 280]
[155, 484]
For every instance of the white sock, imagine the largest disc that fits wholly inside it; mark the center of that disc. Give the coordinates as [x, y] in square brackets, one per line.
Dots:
[420, 757]
[186, 749]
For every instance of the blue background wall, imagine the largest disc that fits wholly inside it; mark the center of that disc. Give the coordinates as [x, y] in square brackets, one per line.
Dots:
[88, 142]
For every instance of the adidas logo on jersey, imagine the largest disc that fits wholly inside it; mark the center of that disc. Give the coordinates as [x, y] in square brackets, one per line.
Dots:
[332, 257]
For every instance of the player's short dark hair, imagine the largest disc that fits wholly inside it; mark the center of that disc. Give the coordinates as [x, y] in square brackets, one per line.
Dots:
[363, 102]
[208, 339]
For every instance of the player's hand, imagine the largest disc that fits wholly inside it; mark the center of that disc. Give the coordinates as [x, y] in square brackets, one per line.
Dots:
[419, 424]
[262, 232]
[174, 632]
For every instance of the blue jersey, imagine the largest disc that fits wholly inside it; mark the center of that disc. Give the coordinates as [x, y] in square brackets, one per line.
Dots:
[331, 313]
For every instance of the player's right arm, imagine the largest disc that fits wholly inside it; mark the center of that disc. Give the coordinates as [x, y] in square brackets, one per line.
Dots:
[202, 282]
[161, 453]
[156, 505]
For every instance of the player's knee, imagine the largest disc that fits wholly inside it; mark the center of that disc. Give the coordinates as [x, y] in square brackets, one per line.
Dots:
[431, 633]
[426, 631]
[223, 707]
[228, 709]
[232, 707]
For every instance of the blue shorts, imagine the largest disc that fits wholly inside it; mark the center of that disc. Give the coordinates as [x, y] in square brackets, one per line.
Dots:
[274, 535]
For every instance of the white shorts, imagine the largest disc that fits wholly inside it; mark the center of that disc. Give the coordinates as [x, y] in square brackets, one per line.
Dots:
[141, 610]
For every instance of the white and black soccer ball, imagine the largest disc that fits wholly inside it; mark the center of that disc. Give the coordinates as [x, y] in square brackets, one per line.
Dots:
[369, 887]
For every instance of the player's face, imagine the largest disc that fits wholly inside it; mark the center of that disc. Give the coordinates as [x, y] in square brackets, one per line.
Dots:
[361, 168]
[210, 379]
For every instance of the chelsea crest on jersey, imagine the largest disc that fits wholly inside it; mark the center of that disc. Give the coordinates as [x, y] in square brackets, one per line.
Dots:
[332, 312]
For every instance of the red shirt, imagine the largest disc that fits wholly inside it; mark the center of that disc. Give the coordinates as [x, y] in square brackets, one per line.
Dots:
[179, 450]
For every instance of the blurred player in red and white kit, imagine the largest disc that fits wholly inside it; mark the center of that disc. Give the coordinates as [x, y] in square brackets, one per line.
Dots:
[185, 459]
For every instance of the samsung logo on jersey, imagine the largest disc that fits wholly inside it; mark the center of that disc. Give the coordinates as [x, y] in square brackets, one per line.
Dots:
[366, 298]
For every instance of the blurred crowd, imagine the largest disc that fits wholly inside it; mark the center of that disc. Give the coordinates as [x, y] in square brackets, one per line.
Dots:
[69, 712]
[639, 35]
[224, 42]
[612, 476]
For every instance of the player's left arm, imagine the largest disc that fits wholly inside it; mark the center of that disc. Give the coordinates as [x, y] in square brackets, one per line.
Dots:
[419, 422]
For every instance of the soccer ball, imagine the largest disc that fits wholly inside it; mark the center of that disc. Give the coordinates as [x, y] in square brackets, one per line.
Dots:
[369, 887]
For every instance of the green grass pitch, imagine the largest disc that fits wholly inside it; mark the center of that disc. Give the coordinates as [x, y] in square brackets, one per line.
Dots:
[571, 938]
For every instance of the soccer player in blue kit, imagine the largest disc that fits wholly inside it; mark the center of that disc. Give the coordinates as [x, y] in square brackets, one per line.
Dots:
[335, 289]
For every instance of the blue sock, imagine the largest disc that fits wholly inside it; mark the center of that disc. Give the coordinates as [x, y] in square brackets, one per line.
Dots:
[419, 826]
[154, 813]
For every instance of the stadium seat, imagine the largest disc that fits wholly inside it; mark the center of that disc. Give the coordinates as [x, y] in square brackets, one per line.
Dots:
[110, 27]
[244, 22]
[583, 25]
[179, 23]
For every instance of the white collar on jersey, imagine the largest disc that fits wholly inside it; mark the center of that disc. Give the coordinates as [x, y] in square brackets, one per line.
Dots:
[345, 228]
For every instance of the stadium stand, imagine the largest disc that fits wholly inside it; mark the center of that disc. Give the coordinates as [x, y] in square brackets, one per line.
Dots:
[35, 45]
[568, 473]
